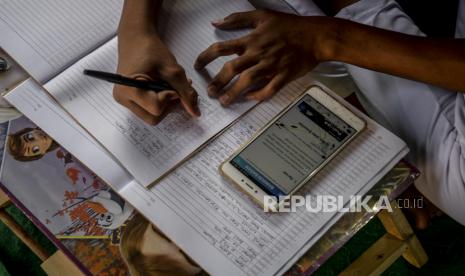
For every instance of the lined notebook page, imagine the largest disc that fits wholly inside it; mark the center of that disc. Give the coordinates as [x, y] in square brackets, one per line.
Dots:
[149, 152]
[47, 36]
[213, 218]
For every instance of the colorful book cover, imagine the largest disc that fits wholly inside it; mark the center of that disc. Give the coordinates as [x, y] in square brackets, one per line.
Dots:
[64, 198]
[91, 224]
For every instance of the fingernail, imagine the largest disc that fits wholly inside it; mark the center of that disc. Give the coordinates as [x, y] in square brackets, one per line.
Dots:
[211, 90]
[225, 99]
[217, 21]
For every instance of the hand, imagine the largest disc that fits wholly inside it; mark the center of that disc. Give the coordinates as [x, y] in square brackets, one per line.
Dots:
[146, 57]
[281, 48]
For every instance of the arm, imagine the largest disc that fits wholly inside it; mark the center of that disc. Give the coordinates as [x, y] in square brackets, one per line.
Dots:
[439, 62]
[283, 47]
[139, 17]
[142, 54]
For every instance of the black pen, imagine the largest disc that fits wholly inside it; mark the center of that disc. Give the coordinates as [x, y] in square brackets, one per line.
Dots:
[157, 86]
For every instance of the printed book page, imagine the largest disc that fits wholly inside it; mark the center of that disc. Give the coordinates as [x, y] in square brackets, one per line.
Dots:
[149, 152]
[45, 37]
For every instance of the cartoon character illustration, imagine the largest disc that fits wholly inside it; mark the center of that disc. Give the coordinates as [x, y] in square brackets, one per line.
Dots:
[88, 207]
[30, 144]
[101, 213]
[118, 211]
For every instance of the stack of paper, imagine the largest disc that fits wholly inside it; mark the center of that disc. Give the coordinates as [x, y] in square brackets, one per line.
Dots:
[213, 222]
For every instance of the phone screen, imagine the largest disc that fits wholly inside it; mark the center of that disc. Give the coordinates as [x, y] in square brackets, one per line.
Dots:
[287, 152]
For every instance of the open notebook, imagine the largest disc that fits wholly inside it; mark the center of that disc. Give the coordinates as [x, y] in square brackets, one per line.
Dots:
[62, 38]
[213, 222]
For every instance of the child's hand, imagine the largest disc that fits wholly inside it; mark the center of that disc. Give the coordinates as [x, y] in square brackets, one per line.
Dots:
[146, 57]
[281, 48]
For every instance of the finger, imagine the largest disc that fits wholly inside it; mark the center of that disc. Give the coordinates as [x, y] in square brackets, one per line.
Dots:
[146, 116]
[120, 94]
[229, 70]
[218, 49]
[143, 114]
[238, 20]
[152, 102]
[270, 89]
[248, 78]
[176, 77]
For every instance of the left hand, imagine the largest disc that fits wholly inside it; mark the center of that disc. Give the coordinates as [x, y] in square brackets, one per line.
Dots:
[281, 48]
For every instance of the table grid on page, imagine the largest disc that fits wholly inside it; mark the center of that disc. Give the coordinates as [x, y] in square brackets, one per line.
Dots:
[240, 230]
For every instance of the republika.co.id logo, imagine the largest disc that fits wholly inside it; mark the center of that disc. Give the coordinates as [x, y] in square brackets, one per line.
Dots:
[325, 203]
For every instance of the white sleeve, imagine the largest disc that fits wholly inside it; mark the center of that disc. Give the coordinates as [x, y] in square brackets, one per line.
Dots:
[300, 7]
[305, 7]
[460, 27]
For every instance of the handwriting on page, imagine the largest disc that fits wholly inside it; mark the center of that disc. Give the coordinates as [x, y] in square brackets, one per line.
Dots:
[158, 143]
[254, 240]
[149, 152]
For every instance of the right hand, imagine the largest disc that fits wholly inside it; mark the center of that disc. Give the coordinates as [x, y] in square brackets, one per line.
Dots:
[146, 57]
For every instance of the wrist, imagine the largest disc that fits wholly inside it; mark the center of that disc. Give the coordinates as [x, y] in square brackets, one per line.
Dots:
[328, 39]
[139, 17]
[130, 41]
[132, 33]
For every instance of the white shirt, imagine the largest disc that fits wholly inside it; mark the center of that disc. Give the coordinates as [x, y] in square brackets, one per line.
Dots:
[301, 7]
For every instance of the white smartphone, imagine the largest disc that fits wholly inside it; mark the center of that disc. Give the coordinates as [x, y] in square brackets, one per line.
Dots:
[293, 147]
